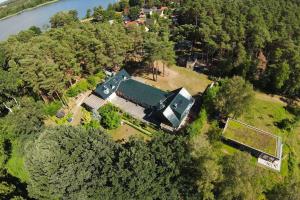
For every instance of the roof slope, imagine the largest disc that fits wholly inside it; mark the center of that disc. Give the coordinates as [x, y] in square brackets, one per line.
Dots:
[141, 93]
[178, 106]
[111, 85]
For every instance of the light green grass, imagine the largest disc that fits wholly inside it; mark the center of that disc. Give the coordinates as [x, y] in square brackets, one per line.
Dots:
[264, 114]
[125, 131]
[16, 163]
[251, 137]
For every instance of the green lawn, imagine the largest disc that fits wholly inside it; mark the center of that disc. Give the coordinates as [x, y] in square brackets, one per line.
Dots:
[16, 163]
[243, 134]
[125, 132]
[264, 113]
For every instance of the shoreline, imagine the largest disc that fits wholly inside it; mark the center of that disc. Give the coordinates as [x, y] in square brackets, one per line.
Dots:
[28, 9]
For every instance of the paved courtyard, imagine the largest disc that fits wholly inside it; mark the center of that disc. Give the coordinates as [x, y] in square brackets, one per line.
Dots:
[129, 107]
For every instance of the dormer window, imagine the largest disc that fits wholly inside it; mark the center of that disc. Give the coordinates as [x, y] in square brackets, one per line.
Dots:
[105, 90]
[175, 105]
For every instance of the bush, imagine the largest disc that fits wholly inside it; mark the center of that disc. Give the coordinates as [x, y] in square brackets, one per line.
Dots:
[79, 87]
[110, 117]
[52, 108]
[214, 133]
[285, 124]
[95, 79]
[198, 124]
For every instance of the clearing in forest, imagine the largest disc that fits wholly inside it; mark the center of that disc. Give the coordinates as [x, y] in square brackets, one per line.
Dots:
[176, 77]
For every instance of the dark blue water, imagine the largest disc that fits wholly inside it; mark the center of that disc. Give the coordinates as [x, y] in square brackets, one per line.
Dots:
[40, 16]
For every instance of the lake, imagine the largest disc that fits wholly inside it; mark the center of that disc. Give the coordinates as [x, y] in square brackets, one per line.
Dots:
[40, 16]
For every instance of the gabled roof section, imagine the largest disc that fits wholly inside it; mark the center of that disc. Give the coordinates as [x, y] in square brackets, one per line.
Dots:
[178, 106]
[140, 93]
[111, 85]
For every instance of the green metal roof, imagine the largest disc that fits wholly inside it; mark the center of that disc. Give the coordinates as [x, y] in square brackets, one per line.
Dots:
[140, 93]
[111, 85]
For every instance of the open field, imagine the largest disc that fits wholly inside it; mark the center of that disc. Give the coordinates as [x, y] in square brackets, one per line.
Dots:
[251, 137]
[125, 132]
[177, 77]
[265, 113]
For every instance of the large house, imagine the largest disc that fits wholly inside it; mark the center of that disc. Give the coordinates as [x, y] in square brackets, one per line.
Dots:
[167, 109]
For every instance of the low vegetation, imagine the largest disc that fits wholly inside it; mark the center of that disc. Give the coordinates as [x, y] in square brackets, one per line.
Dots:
[14, 6]
[251, 137]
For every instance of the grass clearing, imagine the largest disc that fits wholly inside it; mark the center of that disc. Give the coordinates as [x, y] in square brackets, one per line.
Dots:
[264, 113]
[125, 131]
[177, 77]
[16, 164]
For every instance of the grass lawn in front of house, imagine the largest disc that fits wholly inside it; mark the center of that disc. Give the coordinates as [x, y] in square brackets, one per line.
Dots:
[125, 131]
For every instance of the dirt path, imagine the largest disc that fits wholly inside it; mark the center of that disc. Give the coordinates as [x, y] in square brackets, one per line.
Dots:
[75, 107]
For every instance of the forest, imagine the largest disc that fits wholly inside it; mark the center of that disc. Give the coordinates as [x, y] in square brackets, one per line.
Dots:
[247, 45]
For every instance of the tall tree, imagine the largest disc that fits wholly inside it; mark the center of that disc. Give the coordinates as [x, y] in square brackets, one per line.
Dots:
[241, 178]
[234, 97]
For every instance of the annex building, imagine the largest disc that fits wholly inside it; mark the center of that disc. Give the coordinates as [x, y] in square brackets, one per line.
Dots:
[166, 109]
[265, 146]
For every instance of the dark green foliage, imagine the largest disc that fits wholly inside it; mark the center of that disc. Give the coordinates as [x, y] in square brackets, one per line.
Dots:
[240, 177]
[72, 160]
[234, 97]
[258, 40]
[3, 154]
[214, 133]
[24, 120]
[289, 190]
[63, 18]
[86, 164]
[285, 124]
[110, 117]
[134, 12]
[36, 30]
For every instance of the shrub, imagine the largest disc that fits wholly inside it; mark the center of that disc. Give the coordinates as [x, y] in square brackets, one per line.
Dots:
[52, 108]
[198, 124]
[95, 79]
[76, 89]
[285, 124]
[110, 117]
